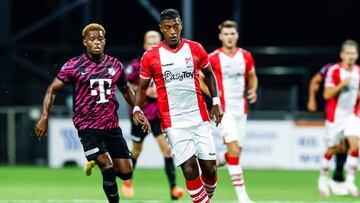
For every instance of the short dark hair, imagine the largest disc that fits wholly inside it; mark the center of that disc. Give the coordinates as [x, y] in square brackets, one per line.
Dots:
[169, 14]
[349, 42]
[227, 24]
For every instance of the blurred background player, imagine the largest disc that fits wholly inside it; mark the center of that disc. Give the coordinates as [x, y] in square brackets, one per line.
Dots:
[337, 185]
[94, 77]
[342, 94]
[235, 73]
[151, 111]
[174, 66]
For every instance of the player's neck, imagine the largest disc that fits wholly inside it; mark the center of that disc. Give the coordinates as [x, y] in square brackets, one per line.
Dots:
[229, 50]
[95, 57]
[347, 66]
[173, 46]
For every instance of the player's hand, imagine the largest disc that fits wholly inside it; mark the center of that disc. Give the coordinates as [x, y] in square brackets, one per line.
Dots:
[41, 127]
[146, 127]
[139, 119]
[311, 105]
[252, 96]
[346, 82]
[217, 112]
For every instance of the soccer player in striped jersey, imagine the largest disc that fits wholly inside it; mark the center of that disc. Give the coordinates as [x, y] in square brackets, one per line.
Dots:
[94, 77]
[342, 94]
[235, 73]
[174, 65]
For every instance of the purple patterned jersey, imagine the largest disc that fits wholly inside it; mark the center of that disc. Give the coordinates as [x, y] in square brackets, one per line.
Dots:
[150, 108]
[95, 105]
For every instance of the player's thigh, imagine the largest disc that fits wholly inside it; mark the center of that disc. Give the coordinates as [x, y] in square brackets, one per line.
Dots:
[233, 128]
[93, 143]
[181, 143]
[352, 131]
[104, 161]
[116, 144]
[334, 133]
[204, 141]
[208, 168]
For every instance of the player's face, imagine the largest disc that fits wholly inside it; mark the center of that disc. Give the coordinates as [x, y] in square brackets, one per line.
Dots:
[228, 37]
[150, 42]
[349, 55]
[94, 42]
[171, 29]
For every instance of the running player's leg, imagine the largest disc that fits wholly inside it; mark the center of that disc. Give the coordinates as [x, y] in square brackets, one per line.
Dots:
[176, 192]
[119, 153]
[233, 132]
[352, 134]
[352, 160]
[183, 146]
[137, 137]
[332, 138]
[95, 149]
[206, 154]
[340, 159]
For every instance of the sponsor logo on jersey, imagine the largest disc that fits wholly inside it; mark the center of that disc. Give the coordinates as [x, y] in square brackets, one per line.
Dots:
[167, 64]
[169, 76]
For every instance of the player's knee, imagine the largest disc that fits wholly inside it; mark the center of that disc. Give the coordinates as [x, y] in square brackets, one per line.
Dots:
[124, 176]
[166, 152]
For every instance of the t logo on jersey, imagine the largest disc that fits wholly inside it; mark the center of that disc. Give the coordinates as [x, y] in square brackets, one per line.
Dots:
[102, 90]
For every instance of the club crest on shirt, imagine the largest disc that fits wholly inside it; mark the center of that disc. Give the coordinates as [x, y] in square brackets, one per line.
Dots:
[111, 71]
[189, 62]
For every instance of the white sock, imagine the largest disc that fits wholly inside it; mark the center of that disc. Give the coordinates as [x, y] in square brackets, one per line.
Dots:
[351, 162]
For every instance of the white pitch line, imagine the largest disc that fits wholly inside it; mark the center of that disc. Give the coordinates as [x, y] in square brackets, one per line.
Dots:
[159, 201]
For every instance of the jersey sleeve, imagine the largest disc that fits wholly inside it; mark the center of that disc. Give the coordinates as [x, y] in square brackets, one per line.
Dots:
[249, 62]
[145, 71]
[330, 80]
[122, 81]
[132, 71]
[66, 72]
[324, 70]
[203, 57]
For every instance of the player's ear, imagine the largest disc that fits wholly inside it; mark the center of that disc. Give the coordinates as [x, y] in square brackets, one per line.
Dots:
[84, 42]
[220, 38]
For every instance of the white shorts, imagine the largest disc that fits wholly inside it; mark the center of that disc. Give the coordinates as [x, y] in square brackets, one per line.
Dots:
[233, 128]
[349, 126]
[196, 140]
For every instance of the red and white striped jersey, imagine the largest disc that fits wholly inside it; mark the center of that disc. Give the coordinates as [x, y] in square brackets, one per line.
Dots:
[345, 103]
[230, 72]
[176, 76]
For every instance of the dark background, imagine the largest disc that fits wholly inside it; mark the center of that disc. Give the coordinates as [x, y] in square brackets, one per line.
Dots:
[298, 35]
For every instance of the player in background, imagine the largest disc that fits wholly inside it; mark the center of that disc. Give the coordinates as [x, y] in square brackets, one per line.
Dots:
[342, 94]
[151, 112]
[94, 77]
[235, 73]
[174, 65]
[336, 185]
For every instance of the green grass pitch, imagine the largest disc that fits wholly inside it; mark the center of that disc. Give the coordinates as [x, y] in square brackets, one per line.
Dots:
[41, 184]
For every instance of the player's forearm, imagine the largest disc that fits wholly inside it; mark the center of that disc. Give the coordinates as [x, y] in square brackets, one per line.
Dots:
[210, 81]
[128, 95]
[331, 92]
[48, 101]
[253, 82]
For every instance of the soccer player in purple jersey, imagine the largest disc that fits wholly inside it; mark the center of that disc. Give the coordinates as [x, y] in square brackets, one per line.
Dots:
[94, 77]
[151, 112]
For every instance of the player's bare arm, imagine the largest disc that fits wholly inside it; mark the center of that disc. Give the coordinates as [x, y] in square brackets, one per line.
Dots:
[49, 98]
[330, 92]
[129, 96]
[203, 86]
[211, 83]
[253, 85]
[140, 97]
[314, 86]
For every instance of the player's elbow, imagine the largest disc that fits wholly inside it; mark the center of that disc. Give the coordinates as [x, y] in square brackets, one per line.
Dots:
[327, 95]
